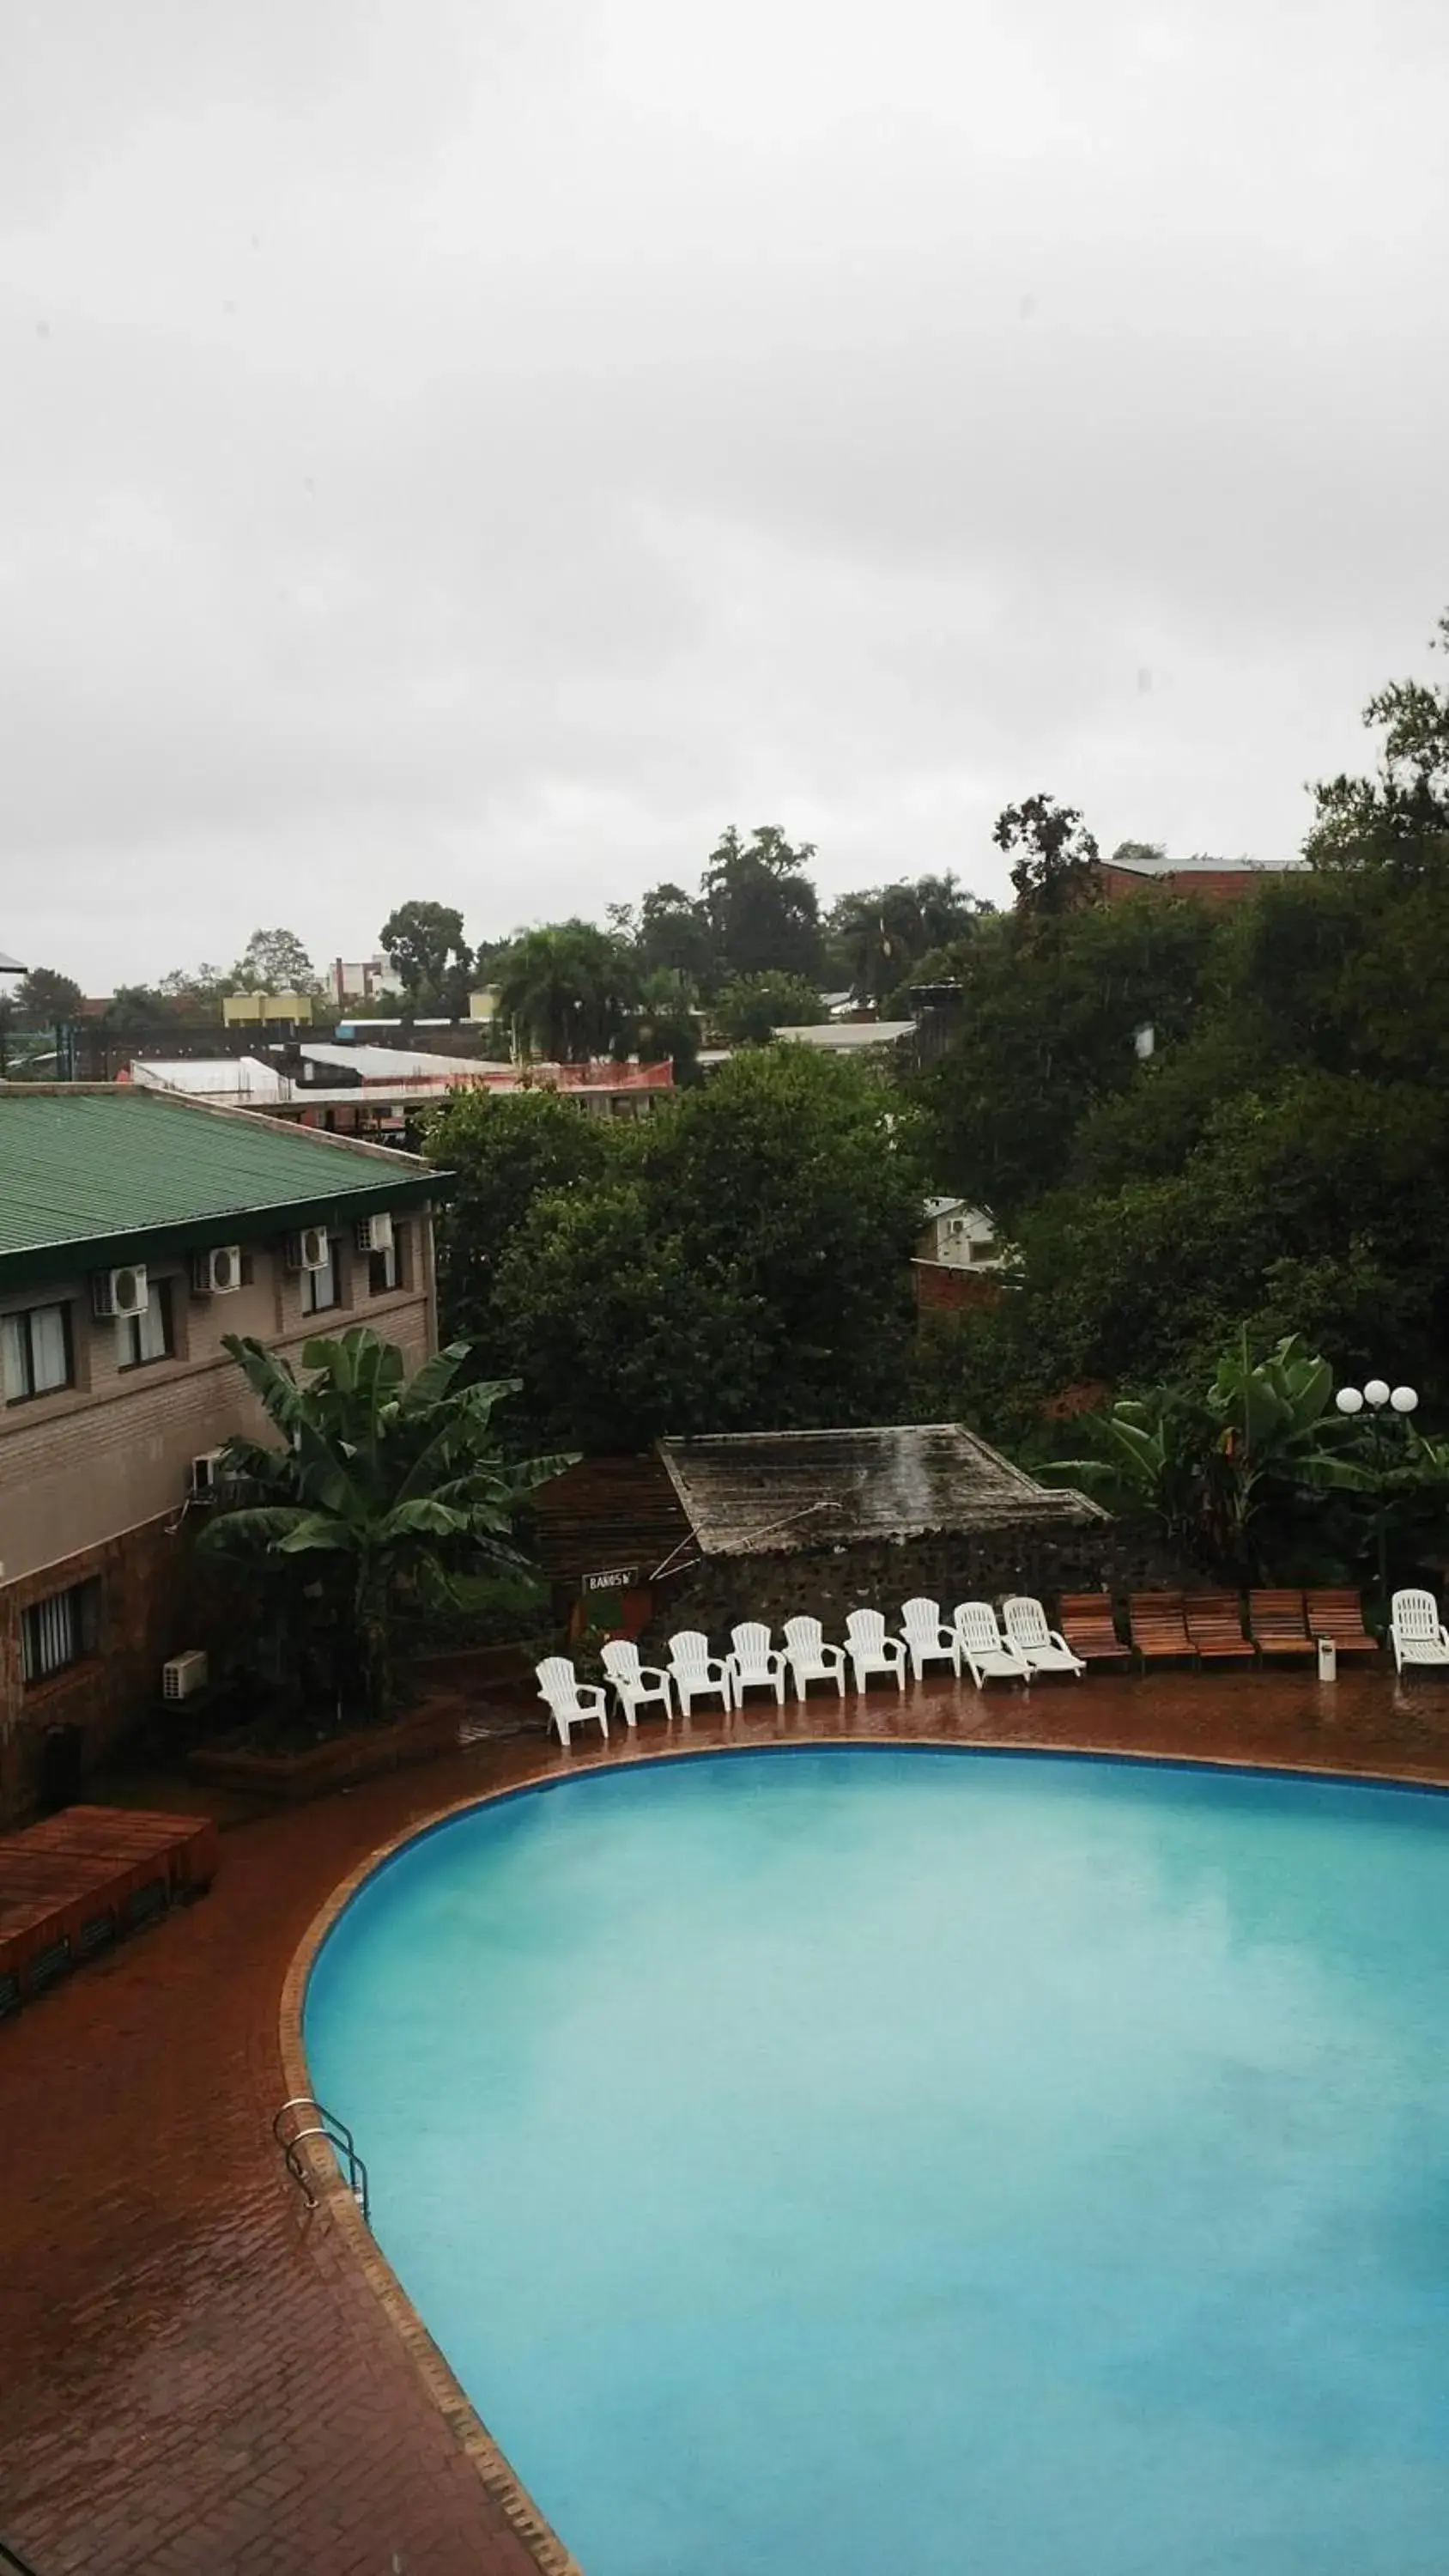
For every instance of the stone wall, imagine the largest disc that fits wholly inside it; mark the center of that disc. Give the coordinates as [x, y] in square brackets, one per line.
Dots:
[827, 1584]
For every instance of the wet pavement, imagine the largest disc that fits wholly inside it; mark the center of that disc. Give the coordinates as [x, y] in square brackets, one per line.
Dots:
[199, 2379]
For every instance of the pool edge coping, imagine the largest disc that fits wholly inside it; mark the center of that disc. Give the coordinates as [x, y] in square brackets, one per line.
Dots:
[550, 2552]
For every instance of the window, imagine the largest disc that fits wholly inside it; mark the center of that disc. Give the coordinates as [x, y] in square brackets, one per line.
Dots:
[321, 1287]
[389, 1269]
[140, 1338]
[59, 1630]
[982, 1247]
[35, 1352]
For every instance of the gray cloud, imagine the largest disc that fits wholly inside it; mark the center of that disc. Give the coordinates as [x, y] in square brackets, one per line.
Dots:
[478, 451]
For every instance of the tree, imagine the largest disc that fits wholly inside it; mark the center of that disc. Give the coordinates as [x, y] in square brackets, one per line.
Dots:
[674, 933]
[568, 989]
[666, 1024]
[426, 949]
[877, 936]
[762, 907]
[504, 1152]
[48, 999]
[273, 961]
[1057, 867]
[748, 1011]
[742, 1262]
[1399, 819]
[376, 1488]
[1046, 1037]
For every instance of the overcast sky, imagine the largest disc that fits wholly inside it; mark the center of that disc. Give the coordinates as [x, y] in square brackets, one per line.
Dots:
[477, 448]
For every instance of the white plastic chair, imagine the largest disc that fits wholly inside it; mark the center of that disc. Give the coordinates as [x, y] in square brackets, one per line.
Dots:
[1418, 1633]
[871, 1651]
[927, 1639]
[755, 1664]
[570, 1700]
[1045, 1648]
[810, 1659]
[636, 1685]
[991, 1656]
[694, 1671]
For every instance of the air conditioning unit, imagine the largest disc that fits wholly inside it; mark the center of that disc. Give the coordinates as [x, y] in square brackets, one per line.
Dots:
[217, 1272]
[120, 1292]
[184, 1676]
[204, 1475]
[309, 1249]
[374, 1234]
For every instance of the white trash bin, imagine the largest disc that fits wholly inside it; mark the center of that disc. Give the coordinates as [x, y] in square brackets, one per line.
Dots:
[1327, 1660]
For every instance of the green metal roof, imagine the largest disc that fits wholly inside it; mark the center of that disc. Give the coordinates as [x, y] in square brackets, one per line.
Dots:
[90, 1178]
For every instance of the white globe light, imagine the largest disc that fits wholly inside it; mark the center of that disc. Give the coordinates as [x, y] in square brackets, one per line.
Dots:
[1404, 1399]
[1348, 1400]
[1377, 1390]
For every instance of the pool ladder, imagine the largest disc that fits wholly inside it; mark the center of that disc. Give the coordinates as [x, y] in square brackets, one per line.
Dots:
[325, 2124]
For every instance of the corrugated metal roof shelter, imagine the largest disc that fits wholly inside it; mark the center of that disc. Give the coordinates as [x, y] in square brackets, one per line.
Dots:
[765, 1493]
[123, 1172]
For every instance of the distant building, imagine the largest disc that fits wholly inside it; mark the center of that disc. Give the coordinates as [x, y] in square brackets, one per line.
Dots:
[363, 1090]
[135, 1232]
[1216, 881]
[239, 1010]
[367, 979]
[11, 965]
[958, 1257]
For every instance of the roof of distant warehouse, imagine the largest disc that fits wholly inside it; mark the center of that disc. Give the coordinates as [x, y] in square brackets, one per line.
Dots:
[772, 1492]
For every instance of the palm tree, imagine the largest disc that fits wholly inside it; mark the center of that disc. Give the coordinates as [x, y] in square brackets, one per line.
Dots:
[381, 1488]
[567, 989]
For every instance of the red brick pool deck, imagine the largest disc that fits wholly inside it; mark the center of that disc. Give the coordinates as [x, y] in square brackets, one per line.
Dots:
[199, 2379]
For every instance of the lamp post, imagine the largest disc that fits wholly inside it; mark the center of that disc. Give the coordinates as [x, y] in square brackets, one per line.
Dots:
[1375, 1393]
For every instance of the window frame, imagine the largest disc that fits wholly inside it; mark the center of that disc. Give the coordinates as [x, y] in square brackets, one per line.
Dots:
[397, 1255]
[78, 1606]
[30, 1393]
[128, 1330]
[310, 1303]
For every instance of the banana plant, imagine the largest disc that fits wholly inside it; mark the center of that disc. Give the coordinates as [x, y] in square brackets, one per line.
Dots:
[376, 1485]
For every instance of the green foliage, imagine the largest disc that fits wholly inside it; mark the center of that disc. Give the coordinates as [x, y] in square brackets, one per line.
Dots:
[505, 1151]
[762, 907]
[740, 1258]
[273, 961]
[1047, 1035]
[1397, 820]
[47, 999]
[877, 939]
[1056, 865]
[568, 991]
[1256, 1474]
[748, 1011]
[426, 949]
[376, 1489]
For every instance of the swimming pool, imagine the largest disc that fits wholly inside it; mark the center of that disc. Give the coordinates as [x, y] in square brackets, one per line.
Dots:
[881, 2161]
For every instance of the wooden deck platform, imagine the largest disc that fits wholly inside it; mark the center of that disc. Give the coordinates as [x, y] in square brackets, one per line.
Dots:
[76, 1882]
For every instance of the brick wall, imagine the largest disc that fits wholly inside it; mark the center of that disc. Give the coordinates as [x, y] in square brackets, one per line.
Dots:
[155, 1601]
[827, 1584]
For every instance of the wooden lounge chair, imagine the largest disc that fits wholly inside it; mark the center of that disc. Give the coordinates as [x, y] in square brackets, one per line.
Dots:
[1277, 1625]
[1159, 1628]
[1215, 1625]
[1339, 1615]
[1090, 1629]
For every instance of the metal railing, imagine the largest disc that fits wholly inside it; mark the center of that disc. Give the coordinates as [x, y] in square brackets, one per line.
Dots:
[326, 2125]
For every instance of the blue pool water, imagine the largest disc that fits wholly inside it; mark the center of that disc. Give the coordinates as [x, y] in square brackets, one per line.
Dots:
[897, 2162]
